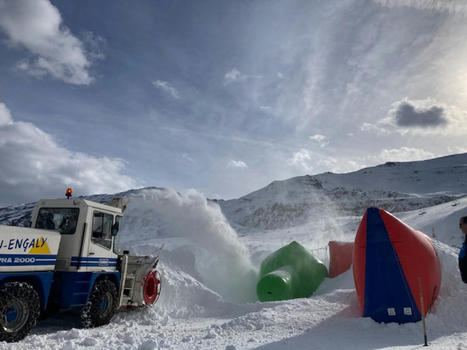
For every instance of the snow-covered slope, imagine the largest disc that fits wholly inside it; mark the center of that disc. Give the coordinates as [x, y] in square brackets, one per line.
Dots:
[439, 175]
[396, 187]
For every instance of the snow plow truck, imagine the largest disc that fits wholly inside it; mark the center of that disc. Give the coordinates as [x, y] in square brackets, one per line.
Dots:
[67, 260]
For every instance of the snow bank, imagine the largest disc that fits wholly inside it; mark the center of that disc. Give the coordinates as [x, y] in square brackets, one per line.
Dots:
[218, 258]
[448, 314]
[441, 220]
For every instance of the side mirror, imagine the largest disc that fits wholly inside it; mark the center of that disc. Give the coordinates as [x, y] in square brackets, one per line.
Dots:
[114, 230]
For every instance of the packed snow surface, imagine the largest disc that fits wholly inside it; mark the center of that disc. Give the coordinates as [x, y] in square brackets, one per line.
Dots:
[209, 270]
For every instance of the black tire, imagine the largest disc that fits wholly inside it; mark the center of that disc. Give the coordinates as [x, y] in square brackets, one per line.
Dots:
[101, 305]
[19, 310]
[52, 310]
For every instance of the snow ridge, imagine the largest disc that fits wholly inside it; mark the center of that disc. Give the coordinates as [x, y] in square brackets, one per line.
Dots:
[393, 186]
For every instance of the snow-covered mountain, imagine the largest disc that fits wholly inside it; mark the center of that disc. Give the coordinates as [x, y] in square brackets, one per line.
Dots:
[20, 215]
[393, 186]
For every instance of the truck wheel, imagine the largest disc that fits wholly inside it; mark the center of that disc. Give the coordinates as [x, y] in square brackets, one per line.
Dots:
[19, 310]
[101, 305]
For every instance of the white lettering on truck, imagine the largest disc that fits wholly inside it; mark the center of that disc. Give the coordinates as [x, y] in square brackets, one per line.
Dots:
[17, 260]
[6, 260]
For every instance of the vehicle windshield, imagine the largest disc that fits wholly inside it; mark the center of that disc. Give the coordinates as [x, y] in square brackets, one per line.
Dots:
[63, 220]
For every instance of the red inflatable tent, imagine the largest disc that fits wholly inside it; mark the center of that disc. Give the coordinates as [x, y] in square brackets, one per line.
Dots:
[394, 265]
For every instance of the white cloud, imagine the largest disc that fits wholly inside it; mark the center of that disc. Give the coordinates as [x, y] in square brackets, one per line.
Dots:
[166, 87]
[237, 164]
[187, 157]
[402, 154]
[320, 162]
[341, 165]
[234, 76]
[37, 26]
[94, 44]
[451, 6]
[321, 140]
[380, 128]
[33, 165]
[302, 158]
[348, 165]
[327, 162]
[5, 116]
[315, 161]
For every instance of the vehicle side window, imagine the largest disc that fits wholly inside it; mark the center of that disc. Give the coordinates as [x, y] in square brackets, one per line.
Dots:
[118, 219]
[101, 229]
[116, 225]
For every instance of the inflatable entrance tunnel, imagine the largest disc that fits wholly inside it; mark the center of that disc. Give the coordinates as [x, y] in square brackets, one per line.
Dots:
[290, 272]
[394, 266]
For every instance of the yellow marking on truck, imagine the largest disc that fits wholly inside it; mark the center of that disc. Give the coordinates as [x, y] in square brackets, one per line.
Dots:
[41, 247]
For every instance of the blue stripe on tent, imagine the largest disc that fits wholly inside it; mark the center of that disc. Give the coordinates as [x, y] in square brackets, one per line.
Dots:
[386, 289]
[27, 259]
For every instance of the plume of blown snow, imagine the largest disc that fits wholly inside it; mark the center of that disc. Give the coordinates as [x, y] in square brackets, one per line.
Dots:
[221, 261]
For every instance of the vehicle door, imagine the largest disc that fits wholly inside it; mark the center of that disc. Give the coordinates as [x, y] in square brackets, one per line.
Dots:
[100, 252]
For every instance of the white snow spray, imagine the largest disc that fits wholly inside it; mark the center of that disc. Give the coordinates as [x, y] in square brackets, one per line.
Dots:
[221, 260]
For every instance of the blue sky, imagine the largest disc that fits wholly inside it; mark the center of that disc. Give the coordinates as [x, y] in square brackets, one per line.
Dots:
[223, 96]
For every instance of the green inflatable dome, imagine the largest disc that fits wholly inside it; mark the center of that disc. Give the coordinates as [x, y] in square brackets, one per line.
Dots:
[290, 272]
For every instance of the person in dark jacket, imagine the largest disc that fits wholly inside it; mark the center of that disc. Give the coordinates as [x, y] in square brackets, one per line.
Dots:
[463, 252]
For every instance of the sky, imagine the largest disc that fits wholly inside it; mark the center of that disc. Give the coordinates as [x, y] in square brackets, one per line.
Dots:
[223, 96]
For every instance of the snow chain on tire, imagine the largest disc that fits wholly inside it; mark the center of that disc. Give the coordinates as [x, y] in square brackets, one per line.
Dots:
[19, 310]
[101, 305]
